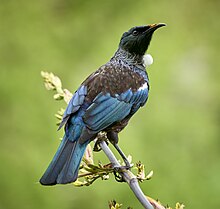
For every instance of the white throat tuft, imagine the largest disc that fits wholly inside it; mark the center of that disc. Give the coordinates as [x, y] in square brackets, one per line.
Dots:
[147, 60]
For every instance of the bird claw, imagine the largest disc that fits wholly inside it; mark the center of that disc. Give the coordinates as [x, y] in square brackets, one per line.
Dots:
[97, 147]
[100, 137]
[118, 170]
[118, 177]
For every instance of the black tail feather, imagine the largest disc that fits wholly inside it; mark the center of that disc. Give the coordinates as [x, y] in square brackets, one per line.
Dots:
[61, 157]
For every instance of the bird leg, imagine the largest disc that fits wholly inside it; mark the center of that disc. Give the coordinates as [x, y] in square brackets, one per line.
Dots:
[126, 161]
[113, 138]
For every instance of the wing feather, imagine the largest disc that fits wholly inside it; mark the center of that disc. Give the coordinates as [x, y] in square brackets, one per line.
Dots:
[74, 104]
[101, 115]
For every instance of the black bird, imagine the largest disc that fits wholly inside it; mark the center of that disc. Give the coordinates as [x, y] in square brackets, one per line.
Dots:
[105, 101]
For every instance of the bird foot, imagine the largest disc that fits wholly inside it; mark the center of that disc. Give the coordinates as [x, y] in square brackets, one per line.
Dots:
[118, 170]
[101, 137]
[118, 177]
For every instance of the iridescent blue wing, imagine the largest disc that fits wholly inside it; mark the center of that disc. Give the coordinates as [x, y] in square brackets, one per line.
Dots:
[106, 109]
[74, 104]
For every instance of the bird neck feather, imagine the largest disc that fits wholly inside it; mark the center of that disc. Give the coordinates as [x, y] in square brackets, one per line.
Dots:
[129, 58]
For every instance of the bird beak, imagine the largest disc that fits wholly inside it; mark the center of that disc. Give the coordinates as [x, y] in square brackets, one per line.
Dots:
[157, 25]
[154, 27]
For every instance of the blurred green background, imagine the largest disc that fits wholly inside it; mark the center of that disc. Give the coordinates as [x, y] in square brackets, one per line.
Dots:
[177, 134]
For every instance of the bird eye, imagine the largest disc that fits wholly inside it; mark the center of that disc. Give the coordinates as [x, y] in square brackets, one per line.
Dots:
[135, 33]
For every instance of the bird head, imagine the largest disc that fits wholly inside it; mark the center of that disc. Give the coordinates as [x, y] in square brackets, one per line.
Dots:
[137, 39]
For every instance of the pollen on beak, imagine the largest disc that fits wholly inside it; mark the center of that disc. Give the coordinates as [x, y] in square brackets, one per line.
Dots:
[152, 25]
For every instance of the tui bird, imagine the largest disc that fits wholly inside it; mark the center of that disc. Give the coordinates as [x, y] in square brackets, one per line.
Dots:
[105, 101]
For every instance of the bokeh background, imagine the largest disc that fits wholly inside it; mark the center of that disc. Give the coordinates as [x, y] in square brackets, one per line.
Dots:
[177, 134]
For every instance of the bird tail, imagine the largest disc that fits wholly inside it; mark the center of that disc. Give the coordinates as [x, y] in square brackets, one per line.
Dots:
[64, 167]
